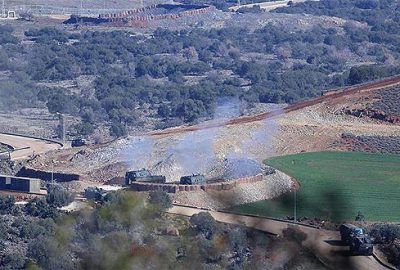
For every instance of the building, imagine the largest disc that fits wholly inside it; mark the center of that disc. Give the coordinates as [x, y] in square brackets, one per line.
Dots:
[19, 184]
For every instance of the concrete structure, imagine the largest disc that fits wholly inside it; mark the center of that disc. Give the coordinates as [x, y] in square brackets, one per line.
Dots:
[19, 184]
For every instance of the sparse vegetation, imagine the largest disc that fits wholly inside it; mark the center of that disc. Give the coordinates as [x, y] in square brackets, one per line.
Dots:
[373, 144]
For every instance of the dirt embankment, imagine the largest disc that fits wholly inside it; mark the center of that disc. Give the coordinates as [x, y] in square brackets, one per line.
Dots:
[331, 96]
[272, 186]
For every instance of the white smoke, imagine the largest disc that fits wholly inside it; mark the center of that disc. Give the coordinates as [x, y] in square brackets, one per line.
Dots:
[195, 152]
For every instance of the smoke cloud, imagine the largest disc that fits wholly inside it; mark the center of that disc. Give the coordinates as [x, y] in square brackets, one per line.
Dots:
[195, 152]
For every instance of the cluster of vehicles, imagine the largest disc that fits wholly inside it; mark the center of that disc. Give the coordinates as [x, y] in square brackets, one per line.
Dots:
[144, 175]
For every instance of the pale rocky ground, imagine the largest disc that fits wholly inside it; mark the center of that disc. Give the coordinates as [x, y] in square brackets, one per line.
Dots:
[272, 186]
[315, 128]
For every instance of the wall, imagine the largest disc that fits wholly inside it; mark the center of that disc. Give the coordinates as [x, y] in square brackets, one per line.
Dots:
[134, 17]
[47, 176]
[174, 188]
[28, 185]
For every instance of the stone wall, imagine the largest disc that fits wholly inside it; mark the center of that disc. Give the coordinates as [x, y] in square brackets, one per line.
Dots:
[174, 188]
[133, 17]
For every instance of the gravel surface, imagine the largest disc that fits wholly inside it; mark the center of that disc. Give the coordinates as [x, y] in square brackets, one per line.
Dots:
[272, 186]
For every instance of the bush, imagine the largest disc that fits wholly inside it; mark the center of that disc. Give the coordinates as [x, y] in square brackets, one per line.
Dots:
[57, 196]
[40, 208]
[385, 233]
[7, 204]
[204, 223]
[117, 130]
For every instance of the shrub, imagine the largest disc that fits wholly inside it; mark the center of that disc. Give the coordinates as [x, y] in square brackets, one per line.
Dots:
[57, 196]
[204, 223]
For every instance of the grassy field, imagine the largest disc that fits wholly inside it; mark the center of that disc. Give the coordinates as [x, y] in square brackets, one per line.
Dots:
[336, 185]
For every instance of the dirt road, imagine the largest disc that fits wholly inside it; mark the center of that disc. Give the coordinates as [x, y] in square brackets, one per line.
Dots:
[294, 107]
[28, 146]
[269, 5]
[325, 244]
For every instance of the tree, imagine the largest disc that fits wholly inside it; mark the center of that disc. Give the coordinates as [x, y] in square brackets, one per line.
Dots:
[7, 204]
[117, 130]
[84, 128]
[204, 223]
[38, 207]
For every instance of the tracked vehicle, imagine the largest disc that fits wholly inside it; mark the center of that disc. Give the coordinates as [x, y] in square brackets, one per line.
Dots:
[359, 242]
[194, 179]
[143, 175]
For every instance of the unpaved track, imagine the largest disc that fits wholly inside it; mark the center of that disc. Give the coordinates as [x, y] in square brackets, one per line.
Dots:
[33, 146]
[269, 5]
[337, 94]
[323, 243]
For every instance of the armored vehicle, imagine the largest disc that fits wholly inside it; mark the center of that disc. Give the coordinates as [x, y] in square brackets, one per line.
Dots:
[78, 142]
[95, 193]
[143, 176]
[359, 242]
[194, 179]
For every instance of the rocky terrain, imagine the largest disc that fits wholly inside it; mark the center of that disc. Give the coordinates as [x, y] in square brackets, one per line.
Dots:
[272, 186]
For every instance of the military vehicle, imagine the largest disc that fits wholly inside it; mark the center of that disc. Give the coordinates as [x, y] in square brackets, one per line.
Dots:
[143, 175]
[78, 142]
[95, 193]
[194, 179]
[359, 242]
[5, 155]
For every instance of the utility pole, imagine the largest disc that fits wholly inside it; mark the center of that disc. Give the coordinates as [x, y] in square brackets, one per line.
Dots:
[52, 172]
[81, 8]
[295, 207]
[3, 9]
[61, 131]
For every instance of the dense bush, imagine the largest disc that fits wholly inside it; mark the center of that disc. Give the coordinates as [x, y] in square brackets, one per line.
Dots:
[385, 233]
[204, 224]
[6, 204]
[39, 207]
[57, 196]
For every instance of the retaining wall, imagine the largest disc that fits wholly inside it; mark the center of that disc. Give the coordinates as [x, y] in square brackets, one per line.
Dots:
[47, 176]
[19, 184]
[175, 188]
[133, 17]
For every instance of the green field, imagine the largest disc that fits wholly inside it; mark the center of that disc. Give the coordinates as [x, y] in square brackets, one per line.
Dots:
[336, 185]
